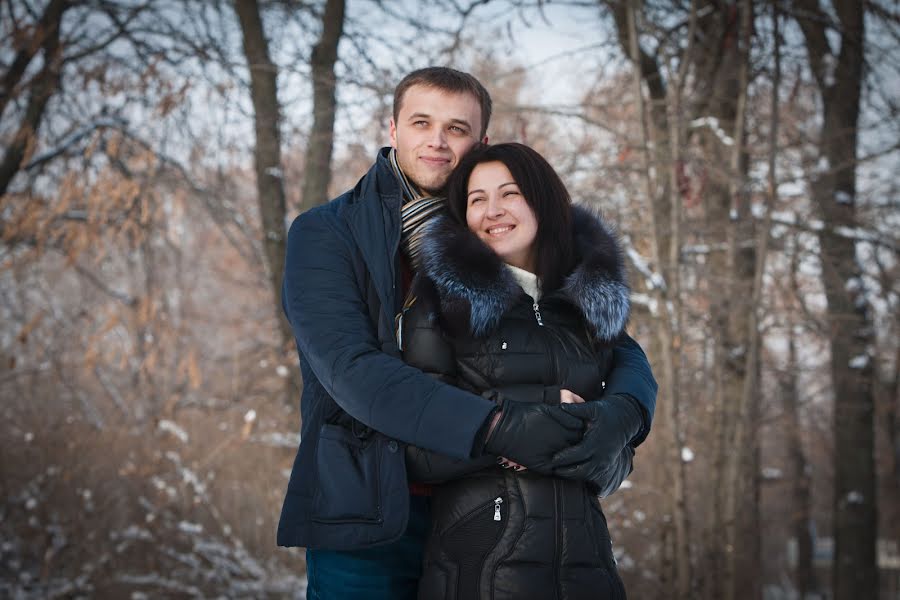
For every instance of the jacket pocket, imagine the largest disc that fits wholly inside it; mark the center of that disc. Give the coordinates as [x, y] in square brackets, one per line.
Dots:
[468, 542]
[347, 470]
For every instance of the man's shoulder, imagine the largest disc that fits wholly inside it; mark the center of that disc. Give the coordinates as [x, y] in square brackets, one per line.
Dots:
[329, 211]
[339, 208]
[327, 223]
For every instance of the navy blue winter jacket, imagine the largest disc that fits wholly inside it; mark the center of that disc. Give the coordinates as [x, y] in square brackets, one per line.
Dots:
[361, 403]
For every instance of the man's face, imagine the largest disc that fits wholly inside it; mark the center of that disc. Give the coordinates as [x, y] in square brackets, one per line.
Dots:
[434, 129]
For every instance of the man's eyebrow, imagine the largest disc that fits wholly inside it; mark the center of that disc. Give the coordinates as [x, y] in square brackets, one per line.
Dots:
[422, 115]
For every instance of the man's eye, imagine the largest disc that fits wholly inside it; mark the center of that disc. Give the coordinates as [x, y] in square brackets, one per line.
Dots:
[420, 123]
[457, 129]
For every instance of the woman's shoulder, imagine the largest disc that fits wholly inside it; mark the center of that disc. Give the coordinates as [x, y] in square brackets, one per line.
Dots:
[471, 285]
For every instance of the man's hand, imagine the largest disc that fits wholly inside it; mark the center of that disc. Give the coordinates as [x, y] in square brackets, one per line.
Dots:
[609, 481]
[530, 433]
[611, 424]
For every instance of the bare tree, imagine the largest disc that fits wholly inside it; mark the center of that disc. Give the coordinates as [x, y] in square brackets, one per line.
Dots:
[44, 37]
[320, 143]
[839, 73]
[267, 150]
[647, 71]
[802, 521]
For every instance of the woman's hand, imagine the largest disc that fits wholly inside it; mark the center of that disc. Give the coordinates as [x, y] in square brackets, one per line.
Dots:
[567, 397]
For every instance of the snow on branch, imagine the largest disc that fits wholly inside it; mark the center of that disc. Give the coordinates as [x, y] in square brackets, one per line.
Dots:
[73, 138]
[653, 279]
[713, 124]
[646, 301]
[857, 234]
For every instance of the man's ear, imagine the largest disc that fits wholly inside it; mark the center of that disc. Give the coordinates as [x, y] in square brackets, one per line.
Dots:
[393, 134]
[485, 140]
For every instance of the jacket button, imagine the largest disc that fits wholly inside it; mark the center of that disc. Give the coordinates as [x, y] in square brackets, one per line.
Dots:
[393, 446]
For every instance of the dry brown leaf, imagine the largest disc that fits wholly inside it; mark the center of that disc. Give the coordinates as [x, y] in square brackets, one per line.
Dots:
[29, 327]
[195, 378]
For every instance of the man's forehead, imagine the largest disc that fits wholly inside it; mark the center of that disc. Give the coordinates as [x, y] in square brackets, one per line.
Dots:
[430, 100]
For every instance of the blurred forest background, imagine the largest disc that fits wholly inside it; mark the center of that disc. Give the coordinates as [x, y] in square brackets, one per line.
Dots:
[154, 151]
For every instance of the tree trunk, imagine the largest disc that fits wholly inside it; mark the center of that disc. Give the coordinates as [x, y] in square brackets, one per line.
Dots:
[893, 415]
[799, 475]
[46, 83]
[850, 329]
[720, 76]
[267, 152]
[317, 167]
[677, 567]
[47, 30]
[745, 264]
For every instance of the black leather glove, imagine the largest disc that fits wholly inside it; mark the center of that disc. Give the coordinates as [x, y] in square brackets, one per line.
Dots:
[529, 433]
[426, 466]
[612, 423]
[609, 481]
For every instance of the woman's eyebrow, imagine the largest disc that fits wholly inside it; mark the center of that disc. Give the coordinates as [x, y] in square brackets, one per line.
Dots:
[499, 186]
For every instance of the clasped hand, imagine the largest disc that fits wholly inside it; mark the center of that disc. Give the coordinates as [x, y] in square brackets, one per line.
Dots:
[565, 397]
[600, 456]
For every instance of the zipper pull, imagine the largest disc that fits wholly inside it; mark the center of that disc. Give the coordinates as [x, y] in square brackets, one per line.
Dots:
[497, 504]
[537, 314]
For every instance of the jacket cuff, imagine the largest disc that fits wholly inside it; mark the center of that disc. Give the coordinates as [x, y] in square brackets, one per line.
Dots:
[482, 434]
[644, 429]
[552, 394]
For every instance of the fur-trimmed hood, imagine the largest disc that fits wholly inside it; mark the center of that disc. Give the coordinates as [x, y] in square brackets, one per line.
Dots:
[471, 280]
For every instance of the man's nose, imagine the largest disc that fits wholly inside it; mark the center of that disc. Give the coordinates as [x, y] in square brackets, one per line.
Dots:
[438, 138]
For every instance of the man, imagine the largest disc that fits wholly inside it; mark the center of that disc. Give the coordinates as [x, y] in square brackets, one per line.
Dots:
[348, 501]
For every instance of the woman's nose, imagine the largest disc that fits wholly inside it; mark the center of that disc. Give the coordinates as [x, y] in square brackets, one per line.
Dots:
[494, 207]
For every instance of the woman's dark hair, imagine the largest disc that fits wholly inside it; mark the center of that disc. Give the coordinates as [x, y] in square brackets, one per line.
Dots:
[544, 192]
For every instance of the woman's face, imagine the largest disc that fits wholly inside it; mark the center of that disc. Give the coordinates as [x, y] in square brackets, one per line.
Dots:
[498, 214]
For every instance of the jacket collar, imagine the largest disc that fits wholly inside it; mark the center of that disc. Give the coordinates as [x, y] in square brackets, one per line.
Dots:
[471, 279]
[373, 215]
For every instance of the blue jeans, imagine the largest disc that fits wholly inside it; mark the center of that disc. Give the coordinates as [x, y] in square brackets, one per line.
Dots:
[388, 572]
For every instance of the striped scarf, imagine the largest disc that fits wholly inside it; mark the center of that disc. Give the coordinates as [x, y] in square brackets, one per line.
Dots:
[418, 209]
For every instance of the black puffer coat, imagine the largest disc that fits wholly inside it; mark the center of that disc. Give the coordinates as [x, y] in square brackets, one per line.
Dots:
[498, 534]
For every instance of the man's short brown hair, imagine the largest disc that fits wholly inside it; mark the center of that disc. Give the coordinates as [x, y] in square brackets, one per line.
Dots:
[448, 80]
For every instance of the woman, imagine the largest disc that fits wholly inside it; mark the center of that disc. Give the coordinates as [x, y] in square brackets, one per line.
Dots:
[519, 295]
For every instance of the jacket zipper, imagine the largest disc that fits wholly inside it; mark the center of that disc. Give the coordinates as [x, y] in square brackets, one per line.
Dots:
[537, 314]
[557, 511]
[473, 516]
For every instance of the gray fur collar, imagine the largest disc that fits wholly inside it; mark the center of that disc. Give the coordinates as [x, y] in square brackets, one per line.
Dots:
[471, 280]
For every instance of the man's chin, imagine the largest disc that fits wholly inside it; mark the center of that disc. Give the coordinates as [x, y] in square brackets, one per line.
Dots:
[432, 188]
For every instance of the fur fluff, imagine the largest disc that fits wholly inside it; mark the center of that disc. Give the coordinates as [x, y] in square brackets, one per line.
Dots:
[474, 286]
